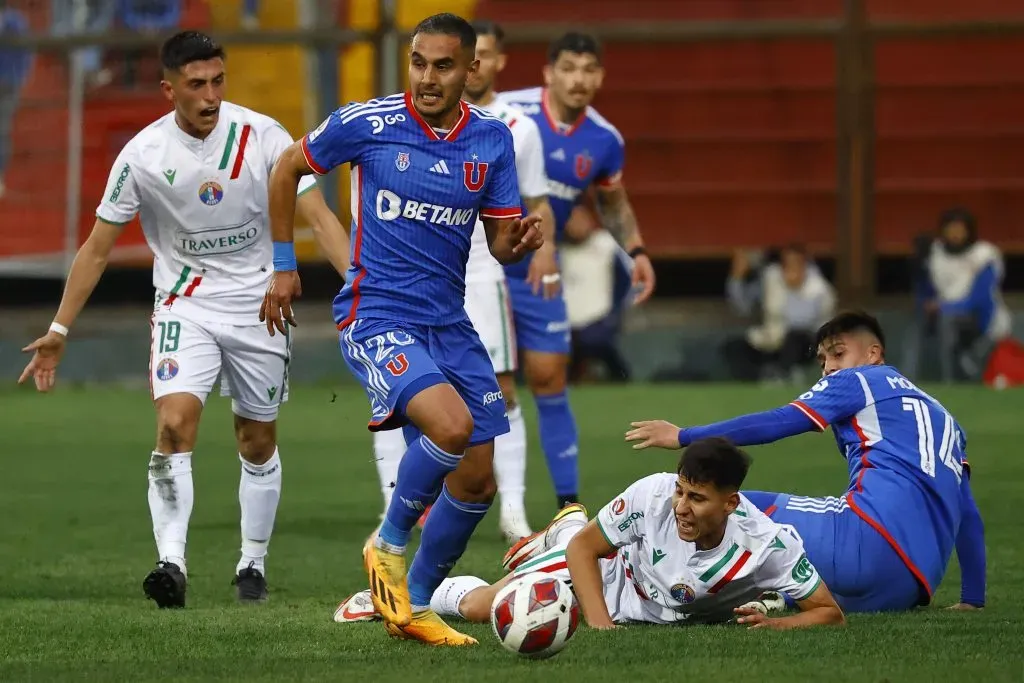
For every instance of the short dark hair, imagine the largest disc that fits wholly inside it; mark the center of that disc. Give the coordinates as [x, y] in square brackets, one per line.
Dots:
[850, 321]
[959, 214]
[486, 27]
[716, 461]
[187, 47]
[448, 24]
[573, 41]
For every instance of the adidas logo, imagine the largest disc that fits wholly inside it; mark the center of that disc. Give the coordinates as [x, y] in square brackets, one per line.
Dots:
[558, 154]
[440, 167]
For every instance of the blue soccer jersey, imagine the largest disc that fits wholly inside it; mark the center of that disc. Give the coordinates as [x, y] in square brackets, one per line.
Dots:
[906, 457]
[590, 151]
[416, 194]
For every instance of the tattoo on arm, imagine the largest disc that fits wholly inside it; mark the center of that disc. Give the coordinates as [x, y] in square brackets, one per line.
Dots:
[618, 217]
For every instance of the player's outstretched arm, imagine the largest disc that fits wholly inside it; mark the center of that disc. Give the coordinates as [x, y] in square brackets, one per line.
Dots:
[817, 609]
[285, 285]
[970, 550]
[87, 268]
[746, 430]
[330, 236]
[582, 555]
[510, 239]
[618, 218]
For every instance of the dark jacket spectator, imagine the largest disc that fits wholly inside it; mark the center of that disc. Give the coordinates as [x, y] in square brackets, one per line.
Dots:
[15, 64]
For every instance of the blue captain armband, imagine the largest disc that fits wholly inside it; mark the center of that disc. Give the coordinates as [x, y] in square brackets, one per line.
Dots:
[284, 256]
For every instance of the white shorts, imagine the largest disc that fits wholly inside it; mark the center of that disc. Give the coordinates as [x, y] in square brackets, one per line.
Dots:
[490, 311]
[186, 356]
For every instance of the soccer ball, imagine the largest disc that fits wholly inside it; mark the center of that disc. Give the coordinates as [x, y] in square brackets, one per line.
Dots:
[535, 615]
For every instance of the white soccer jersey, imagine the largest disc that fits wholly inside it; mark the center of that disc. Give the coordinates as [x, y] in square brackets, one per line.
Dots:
[533, 182]
[657, 577]
[203, 206]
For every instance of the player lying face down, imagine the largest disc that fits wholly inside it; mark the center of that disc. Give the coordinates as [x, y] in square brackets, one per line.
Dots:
[196, 89]
[439, 65]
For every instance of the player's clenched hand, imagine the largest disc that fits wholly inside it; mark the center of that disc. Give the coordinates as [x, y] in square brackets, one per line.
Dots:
[525, 235]
[46, 354]
[643, 278]
[650, 433]
[543, 274]
[276, 309]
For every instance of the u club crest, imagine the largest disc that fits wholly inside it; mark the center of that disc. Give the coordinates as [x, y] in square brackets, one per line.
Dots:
[402, 161]
[583, 164]
[474, 174]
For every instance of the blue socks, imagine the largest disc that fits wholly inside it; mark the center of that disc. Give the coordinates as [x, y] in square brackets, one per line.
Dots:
[558, 438]
[423, 469]
[445, 537]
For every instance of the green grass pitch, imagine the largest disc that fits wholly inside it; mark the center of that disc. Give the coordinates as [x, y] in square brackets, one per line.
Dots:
[76, 541]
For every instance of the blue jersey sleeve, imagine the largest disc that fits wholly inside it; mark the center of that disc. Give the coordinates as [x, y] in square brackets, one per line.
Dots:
[610, 172]
[501, 192]
[338, 140]
[833, 398]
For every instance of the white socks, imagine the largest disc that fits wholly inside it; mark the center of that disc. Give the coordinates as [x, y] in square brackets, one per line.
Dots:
[170, 504]
[510, 467]
[259, 492]
[446, 599]
[388, 449]
[566, 530]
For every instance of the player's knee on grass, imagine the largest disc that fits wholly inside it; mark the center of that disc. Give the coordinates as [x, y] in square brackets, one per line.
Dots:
[507, 384]
[476, 605]
[546, 373]
[177, 423]
[473, 480]
[441, 414]
[257, 441]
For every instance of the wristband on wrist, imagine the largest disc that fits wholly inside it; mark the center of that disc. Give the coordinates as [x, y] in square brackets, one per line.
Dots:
[284, 256]
[636, 251]
[58, 328]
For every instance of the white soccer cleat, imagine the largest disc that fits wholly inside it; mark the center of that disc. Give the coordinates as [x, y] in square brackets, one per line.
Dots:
[358, 607]
[514, 528]
[570, 515]
[767, 603]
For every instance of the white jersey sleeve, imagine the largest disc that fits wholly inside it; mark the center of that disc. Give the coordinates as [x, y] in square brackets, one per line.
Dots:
[623, 521]
[120, 201]
[533, 179]
[784, 567]
[276, 141]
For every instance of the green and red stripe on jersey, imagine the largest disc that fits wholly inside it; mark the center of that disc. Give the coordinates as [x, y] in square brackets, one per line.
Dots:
[229, 147]
[729, 560]
[182, 278]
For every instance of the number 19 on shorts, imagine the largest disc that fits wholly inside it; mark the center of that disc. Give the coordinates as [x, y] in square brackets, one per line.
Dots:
[170, 335]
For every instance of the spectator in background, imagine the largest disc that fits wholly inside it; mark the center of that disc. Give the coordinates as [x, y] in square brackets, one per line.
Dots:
[250, 15]
[14, 67]
[85, 16]
[966, 274]
[793, 299]
[147, 16]
[596, 281]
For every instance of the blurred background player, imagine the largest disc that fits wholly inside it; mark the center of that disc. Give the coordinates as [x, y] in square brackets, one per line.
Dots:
[197, 177]
[401, 316]
[487, 299]
[884, 544]
[581, 149]
[672, 548]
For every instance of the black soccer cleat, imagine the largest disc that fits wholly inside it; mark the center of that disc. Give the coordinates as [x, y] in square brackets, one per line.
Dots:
[251, 585]
[165, 585]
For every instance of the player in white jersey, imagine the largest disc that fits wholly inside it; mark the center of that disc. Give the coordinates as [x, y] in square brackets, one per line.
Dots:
[197, 178]
[487, 302]
[672, 548]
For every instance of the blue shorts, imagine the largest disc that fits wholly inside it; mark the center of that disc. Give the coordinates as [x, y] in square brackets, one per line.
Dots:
[541, 324]
[857, 564]
[395, 361]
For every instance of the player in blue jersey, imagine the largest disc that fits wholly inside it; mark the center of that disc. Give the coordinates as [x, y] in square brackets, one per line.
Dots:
[581, 149]
[885, 543]
[424, 164]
